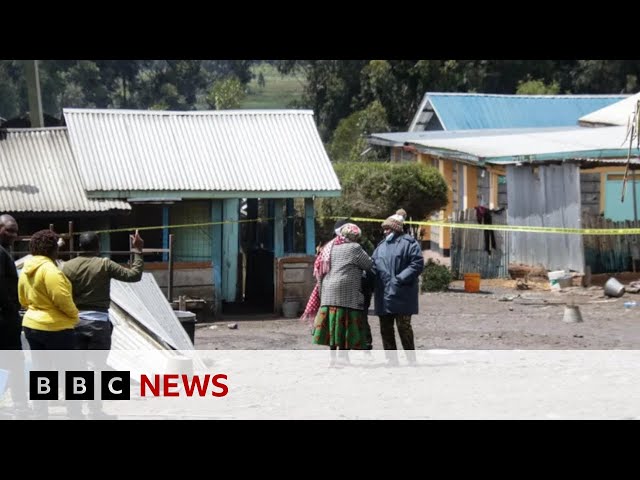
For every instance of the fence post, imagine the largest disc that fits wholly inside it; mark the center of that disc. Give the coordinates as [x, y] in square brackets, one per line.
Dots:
[71, 240]
[170, 280]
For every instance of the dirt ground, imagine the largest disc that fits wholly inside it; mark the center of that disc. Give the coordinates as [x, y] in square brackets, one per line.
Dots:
[499, 317]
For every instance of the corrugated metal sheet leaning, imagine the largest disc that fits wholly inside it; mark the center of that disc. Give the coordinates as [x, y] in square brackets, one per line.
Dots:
[144, 320]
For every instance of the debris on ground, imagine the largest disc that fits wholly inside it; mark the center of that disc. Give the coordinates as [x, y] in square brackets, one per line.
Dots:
[232, 326]
[633, 287]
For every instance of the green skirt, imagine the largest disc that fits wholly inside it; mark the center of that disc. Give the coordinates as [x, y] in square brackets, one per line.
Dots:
[340, 327]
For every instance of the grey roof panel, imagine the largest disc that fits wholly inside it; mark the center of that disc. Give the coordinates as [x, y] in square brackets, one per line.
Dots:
[38, 174]
[226, 151]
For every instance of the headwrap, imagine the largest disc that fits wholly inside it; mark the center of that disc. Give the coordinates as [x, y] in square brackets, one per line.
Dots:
[350, 231]
[346, 233]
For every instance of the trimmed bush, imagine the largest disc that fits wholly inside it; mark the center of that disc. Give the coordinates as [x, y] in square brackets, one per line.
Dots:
[377, 190]
[435, 277]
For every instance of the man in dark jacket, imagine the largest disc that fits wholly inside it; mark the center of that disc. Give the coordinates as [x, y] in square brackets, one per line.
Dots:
[90, 277]
[397, 264]
[10, 321]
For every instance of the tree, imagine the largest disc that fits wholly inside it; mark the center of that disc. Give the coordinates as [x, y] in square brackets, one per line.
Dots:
[9, 92]
[537, 87]
[226, 93]
[349, 140]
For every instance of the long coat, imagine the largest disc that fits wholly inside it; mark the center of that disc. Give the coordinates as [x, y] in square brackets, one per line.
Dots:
[342, 286]
[397, 265]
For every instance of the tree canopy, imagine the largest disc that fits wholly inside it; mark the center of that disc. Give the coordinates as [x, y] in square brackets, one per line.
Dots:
[384, 92]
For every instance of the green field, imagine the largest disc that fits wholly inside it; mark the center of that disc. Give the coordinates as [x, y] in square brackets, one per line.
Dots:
[278, 91]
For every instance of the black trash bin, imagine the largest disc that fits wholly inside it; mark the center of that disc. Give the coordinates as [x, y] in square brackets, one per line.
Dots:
[188, 322]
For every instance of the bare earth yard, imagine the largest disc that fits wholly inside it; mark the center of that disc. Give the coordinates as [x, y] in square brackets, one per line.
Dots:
[500, 317]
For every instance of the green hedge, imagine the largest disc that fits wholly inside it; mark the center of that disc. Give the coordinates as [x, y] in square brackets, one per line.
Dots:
[435, 277]
[377, 190]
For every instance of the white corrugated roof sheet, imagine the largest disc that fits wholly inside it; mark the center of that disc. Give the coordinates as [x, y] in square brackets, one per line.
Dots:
[38, 174]
[620, 113]
[223, 151]
[544, 145]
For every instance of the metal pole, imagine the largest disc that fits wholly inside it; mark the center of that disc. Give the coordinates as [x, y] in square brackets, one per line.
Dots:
[33, 93]
[635, 206]
[71, 239]
[170, 280]
[634, 251]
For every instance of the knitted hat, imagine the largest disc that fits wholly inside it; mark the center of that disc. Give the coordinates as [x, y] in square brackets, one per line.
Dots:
[394, 222]
[402, 212]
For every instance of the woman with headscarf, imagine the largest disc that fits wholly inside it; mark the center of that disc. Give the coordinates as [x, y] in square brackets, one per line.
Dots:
[339, 321]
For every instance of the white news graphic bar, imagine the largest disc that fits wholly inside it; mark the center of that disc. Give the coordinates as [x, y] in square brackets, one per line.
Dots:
[300, 384]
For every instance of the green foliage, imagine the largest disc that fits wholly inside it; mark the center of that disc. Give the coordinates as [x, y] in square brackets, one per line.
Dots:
[435, 277]
[226, 94]
[377, 190]
[334, 89]
[9, 92]
[537, 87]
[271, 89]
[349, 140]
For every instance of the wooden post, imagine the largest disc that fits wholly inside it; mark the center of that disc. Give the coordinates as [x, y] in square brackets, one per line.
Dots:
[165, 231]
[309, 227]
[289, 232]
[71, 255]
[170, 279]
[230, 248]
[216, 254]
[278, 228]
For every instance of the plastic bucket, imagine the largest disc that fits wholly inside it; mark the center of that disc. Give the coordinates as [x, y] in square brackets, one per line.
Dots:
[188, 322]
[613, 288]
[472, 282]
[290, 309]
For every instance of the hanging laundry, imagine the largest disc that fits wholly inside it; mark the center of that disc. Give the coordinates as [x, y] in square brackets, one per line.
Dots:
[484, 216]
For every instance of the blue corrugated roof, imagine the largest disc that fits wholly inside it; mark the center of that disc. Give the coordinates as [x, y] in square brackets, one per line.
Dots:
[464, 111]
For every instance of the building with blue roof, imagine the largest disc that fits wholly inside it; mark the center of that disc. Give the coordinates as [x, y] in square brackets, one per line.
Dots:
[476, 115]
[473, 111]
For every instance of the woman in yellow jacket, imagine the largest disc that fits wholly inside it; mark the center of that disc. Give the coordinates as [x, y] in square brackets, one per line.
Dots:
[46, 294]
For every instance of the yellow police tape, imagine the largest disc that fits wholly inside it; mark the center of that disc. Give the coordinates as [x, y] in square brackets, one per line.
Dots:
[433, 223]
[513, 228]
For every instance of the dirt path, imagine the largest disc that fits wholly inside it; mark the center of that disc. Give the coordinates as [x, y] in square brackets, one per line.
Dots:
[500, 317]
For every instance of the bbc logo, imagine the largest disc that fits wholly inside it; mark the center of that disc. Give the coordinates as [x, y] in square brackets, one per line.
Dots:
[79, 385]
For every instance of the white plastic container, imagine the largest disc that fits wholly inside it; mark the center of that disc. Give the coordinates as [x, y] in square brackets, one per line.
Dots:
[559, 279]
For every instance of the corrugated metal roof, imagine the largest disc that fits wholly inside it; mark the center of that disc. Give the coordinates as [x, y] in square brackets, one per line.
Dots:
[397, 139]
[467, 111]
[620, 113]
[223, 151]
[38, 174]
[145, 302]
[533, 146]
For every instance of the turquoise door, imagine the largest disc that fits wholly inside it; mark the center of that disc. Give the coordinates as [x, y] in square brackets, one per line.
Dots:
[614, 209]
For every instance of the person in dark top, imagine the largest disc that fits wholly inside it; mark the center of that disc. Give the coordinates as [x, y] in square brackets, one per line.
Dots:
[10, 321]
[90, 277]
